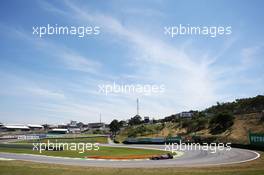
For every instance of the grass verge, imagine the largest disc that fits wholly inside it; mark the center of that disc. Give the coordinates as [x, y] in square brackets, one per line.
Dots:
[103, 151]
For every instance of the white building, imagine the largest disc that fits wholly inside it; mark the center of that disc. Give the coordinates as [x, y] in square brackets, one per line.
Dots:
[58, 131]
[15, 127]
[35, 127]
[186, 114]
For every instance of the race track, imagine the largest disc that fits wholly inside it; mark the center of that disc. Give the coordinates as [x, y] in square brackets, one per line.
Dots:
[194, 158]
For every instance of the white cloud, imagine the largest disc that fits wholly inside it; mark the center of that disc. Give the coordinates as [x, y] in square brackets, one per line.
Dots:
[45, 93]
[188, 83]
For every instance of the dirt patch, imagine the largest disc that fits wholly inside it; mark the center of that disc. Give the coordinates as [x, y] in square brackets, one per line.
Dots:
[243, 124]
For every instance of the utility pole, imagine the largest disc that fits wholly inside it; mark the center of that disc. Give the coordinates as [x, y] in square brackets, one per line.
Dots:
[100, 118]
[137, 106]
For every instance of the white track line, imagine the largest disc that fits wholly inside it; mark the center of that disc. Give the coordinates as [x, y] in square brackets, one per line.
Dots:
[237, 162]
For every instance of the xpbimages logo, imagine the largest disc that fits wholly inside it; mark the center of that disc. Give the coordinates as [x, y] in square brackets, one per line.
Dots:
[211, 147]
[145, 89]
[210, 31]
[79, 31]
[51, 146]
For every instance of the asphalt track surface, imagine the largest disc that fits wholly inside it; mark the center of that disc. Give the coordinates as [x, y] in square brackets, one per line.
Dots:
[191, 158]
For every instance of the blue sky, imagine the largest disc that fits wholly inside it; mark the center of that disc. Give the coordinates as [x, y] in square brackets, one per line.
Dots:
[54, 79]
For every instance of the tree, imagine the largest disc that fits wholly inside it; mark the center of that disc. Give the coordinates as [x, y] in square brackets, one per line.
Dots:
[221, 122]
[122, 123]
[135, 120]
[114, 126]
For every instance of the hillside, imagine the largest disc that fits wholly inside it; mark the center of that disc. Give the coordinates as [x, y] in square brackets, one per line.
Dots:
[237, 133]
[243, 124]
[225, 122]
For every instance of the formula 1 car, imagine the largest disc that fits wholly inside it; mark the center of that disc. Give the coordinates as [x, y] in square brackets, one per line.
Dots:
[162, 157]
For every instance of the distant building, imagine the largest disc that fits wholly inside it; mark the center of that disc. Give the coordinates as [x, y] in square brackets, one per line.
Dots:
[96, 126]
[81, 125]
[15, 128]
[72, 124]
[49, 127]
[75, 130]
[182, 115]
[146, 119]
[35, 127]
[58, 131]
[63, 126]
[186, 114]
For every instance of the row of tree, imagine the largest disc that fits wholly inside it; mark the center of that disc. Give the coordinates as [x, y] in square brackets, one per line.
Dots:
[116, 125]
[240, 106]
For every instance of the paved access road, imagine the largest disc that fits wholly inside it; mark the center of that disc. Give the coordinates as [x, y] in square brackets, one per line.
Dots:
[193, 158]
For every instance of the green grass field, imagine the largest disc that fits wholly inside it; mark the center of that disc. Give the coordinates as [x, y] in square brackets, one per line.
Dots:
[103, 151]
[21, 167]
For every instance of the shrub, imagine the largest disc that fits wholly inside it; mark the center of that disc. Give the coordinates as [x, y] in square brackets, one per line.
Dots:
[221, 122]
[194, 125]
